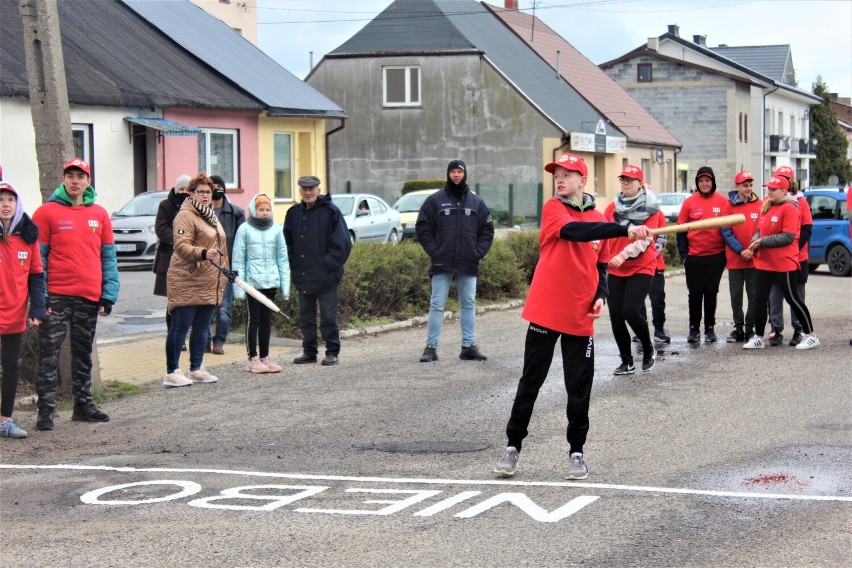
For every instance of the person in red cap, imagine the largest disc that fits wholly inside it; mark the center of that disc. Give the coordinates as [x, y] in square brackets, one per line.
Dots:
[703, 254]
[776, 260]
[78, 255]
[776, 296]
[740, 262]
[631, 267]
[567, 295]
[21, 282]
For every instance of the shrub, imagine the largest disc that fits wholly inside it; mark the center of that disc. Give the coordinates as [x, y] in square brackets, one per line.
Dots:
[499, 275]
[524, 245]
[416, 184]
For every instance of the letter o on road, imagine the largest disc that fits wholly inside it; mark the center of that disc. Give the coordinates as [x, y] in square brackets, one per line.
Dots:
[187, 488]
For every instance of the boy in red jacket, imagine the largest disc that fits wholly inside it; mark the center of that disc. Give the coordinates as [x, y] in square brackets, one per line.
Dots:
[565, 310]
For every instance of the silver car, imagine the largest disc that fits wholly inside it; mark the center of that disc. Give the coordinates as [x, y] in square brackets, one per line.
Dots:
[133, 228]
[368, 217]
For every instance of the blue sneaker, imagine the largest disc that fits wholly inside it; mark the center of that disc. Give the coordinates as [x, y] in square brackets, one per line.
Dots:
[10, 429]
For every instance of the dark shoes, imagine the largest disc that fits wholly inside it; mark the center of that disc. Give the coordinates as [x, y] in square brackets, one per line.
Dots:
[218, 349]
[662, 336]
[471, 353]
[429, 354]
[736, 336]
[45, 420]
[694, 335]
[89, 413]
[626, 367]
[304, 358]
[776, 338]
[797, 337]
[649, 359]
[710, 335]
[329, 360]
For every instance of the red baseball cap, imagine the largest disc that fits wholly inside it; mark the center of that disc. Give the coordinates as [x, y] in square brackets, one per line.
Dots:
[78, 163]
[6, 186]
[778, 182]
[632, 172]
[743, 176]
[785, 171]
[568, 161]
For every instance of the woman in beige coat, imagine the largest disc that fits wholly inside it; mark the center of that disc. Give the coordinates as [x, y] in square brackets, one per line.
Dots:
[195, 286]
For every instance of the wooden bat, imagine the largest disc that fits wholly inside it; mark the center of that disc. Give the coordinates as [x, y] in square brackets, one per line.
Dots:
[712, 223]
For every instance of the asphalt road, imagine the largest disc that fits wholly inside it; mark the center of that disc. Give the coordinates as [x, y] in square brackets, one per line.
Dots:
[717, 457]
[137, 311]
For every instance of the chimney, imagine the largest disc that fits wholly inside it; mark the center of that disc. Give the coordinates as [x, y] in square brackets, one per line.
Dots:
[700, 40]
[674, 29]
[654, 44]
[511, 5]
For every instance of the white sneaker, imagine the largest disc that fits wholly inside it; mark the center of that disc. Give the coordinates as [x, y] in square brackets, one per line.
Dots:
[756, 342]
[808, 342]
[202, 376]
[176, 379]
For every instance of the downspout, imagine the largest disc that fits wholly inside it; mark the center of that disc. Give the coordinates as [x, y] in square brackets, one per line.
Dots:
[327, 161]
[763, 142]
[675, 172]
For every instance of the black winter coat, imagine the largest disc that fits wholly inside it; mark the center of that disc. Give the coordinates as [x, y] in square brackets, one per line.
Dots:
[166, 212]
[231, 217]
[455, 233]
[318, 245]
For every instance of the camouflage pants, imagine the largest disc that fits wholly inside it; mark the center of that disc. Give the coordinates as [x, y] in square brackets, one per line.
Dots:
[82, 315]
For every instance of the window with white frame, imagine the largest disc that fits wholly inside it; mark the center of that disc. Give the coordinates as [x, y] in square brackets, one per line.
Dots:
[218, 154]
[283, 164]
[401, 86]
[81, 136]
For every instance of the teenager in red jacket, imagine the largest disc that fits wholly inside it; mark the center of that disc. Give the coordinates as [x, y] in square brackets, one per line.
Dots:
[703, 254]
[776, 297]
[740, 264]
[21, 280]
[566, 295]
[631, 267]
[776, 261]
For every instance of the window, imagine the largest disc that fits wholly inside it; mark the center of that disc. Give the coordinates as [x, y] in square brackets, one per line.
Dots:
[283, 164]
[780, 124]
[646, 169]
[823, 207]
[401, 86]
[645, 73]
[745, 128]
[741, 128]
[218, 154]
[81, 135]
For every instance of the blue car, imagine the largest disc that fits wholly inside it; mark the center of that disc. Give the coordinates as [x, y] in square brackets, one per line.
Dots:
[829, 244]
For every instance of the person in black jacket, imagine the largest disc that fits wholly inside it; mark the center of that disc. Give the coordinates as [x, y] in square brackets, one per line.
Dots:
[318, 246]
[166, 213]
[230, 217]
[455, 229]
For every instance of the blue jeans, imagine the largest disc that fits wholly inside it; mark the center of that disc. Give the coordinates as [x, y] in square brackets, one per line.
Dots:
[327, 300]
[466, 285]
[223, 315]
[183, 318]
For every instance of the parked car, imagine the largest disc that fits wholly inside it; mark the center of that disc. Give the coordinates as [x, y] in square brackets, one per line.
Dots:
[133, 228]
[829, 242]
[409, 207]
[670, 204]
[368, 217]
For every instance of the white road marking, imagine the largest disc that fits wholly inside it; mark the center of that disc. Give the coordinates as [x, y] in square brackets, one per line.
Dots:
[426, 481]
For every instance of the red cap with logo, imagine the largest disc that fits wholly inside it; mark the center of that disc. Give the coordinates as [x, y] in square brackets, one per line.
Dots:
[632, 172]
[78, 163]
[778, 182]
[785, 171]
[568, 161]
[743, 176]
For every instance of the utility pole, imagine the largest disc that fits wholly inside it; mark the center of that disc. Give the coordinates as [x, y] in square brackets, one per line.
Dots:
[52, 124]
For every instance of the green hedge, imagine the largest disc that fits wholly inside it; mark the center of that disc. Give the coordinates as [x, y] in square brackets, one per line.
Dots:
[416, 184]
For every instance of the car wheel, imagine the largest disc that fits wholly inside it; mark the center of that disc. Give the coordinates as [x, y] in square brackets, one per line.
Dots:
[394, 237]
[838, 261]
[352, 237]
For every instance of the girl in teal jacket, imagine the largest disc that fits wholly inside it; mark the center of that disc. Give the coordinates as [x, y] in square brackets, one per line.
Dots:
[260, 257]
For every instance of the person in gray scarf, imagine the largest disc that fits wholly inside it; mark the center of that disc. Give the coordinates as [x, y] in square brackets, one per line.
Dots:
[631, 268]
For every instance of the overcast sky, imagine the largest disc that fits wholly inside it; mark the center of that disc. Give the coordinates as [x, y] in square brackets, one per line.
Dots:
[818, 31]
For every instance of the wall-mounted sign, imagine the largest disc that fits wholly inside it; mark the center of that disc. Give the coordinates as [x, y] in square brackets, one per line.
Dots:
[584, 142]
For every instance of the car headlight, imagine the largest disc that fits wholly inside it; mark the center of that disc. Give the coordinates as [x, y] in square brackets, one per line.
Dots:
[152, 229]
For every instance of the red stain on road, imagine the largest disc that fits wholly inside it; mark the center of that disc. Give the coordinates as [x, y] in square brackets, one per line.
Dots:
[776, 479]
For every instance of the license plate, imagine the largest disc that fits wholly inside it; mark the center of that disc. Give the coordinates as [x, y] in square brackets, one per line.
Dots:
[125, 248]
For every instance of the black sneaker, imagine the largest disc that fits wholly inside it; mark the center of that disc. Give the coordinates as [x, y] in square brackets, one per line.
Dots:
[710, 335]
[776, 338]
[662, 336]
[797, 337]
[626, 367]
[736, 336]
[694, 335]
[89, 413]
[648, 359]
[472, 353]
[429, 354]
[45, 420]
[305, 358]
[330, 360]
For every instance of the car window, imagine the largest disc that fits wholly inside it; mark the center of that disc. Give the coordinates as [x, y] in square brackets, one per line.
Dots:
[345, 203]
[409, 203]
[142, 204]
[823, 207]
[377, 207]
[671, 198]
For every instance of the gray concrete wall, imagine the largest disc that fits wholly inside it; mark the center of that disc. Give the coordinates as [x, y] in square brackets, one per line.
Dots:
[468, 112]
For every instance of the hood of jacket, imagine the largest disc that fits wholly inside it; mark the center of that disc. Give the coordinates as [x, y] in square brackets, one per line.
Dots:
[588, 202]
[735, 199]
[176, 198]
[705, 170]
[60, 195]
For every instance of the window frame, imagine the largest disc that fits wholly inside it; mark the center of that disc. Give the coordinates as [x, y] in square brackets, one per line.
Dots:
[88, 148]
[409, 101]
[275, 195]
[234, 182]
[639, 68]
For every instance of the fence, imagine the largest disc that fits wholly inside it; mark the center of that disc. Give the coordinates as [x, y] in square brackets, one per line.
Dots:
[513, 204]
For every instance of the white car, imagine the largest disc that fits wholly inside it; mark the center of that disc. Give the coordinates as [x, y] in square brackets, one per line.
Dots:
[133, 228]
[368, 217]
[670, 204]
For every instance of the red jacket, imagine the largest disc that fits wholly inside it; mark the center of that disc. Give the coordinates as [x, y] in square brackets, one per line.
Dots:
[741, 234]
[646, 261]
[781, 218]
[696, 207]
[566, 277]
[805, 218]
[21, 277]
